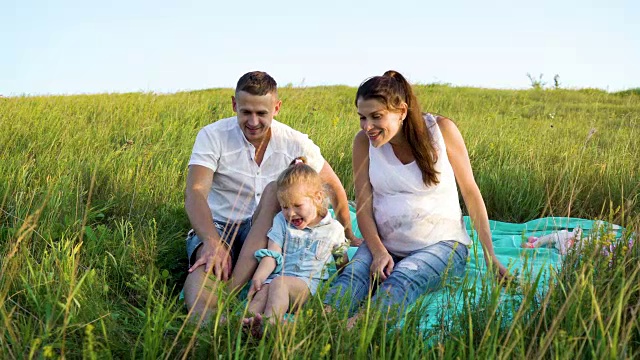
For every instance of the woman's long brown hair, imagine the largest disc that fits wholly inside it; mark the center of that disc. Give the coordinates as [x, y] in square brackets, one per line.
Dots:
[392, 90]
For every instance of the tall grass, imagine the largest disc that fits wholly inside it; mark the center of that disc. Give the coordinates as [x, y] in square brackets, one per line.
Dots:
[92, 227]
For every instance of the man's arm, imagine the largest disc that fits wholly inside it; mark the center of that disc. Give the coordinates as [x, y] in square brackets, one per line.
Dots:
[214, 253]
[339, 201]
[257, 237]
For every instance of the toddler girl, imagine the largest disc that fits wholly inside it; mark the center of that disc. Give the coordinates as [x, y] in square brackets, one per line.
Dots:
[301, 242]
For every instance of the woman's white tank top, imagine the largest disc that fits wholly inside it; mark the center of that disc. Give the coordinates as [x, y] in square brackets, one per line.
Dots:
[409, 215]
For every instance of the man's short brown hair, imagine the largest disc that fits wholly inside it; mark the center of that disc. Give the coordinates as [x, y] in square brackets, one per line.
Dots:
[257, 83]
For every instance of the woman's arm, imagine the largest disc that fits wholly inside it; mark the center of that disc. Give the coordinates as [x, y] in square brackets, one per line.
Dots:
[382, 264]
[459, 159]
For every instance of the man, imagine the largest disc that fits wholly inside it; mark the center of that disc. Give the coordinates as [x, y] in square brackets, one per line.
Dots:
[228, 198]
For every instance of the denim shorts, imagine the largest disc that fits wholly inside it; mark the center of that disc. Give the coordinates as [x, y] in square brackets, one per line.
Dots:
[419, 273]
[234, 233]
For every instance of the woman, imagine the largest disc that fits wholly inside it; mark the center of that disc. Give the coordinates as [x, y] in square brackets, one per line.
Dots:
[406, 166]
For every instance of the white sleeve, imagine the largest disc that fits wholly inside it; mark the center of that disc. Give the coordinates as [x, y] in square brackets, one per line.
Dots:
[312, 152]
[206, 150]
[339, 238]
[278, 231]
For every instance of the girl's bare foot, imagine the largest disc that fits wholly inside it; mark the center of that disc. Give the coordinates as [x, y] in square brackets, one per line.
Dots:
[253, 325]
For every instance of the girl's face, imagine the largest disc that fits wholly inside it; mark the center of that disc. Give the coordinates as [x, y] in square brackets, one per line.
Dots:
[381, 124]
[300, 206]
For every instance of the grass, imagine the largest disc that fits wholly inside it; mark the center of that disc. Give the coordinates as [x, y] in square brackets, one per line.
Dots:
[92, 227]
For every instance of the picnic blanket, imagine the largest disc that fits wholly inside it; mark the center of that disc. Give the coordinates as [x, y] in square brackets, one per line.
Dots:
[507, 243]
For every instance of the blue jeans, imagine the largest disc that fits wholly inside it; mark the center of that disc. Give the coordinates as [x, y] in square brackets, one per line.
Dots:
[234, 233]
[419, 273]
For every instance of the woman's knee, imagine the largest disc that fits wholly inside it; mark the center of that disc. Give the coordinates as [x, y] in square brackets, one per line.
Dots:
[408, 281]
[356, 270]
[361, 261]
[411, 273]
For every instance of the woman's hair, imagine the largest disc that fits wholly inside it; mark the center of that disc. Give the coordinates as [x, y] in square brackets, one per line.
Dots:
[392, 90]
[299, 173]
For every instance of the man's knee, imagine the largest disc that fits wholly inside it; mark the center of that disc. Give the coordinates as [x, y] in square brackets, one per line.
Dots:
[200, 292]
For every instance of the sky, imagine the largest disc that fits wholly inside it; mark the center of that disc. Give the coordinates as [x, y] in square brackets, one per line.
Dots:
[78, 47]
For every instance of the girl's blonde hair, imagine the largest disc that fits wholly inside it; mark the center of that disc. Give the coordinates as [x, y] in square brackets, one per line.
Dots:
[299, 173]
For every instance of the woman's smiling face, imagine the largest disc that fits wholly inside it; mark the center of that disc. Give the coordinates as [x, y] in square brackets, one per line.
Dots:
[379, 123]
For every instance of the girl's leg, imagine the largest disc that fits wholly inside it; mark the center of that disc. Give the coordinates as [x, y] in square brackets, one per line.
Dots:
[259, 301]
[285, 293]
[421, 272]
[256, 309]
[354, 283]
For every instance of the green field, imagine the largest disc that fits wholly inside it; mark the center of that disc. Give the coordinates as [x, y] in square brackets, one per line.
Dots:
[92, 225]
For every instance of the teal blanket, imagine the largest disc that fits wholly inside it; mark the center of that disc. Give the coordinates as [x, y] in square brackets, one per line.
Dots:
[507, 240]
[508, 237]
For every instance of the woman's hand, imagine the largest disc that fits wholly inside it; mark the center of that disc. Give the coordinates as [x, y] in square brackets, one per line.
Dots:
[501, 271]
[382, 265]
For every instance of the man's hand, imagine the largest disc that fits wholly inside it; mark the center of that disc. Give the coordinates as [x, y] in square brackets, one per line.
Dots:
[214, 257]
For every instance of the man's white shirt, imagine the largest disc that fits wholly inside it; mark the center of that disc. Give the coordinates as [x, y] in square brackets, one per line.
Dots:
[238, 181]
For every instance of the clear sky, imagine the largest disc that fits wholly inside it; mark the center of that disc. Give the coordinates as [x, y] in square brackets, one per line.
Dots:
[73, 46]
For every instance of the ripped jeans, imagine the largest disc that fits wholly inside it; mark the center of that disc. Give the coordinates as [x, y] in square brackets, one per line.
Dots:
[417, 274]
